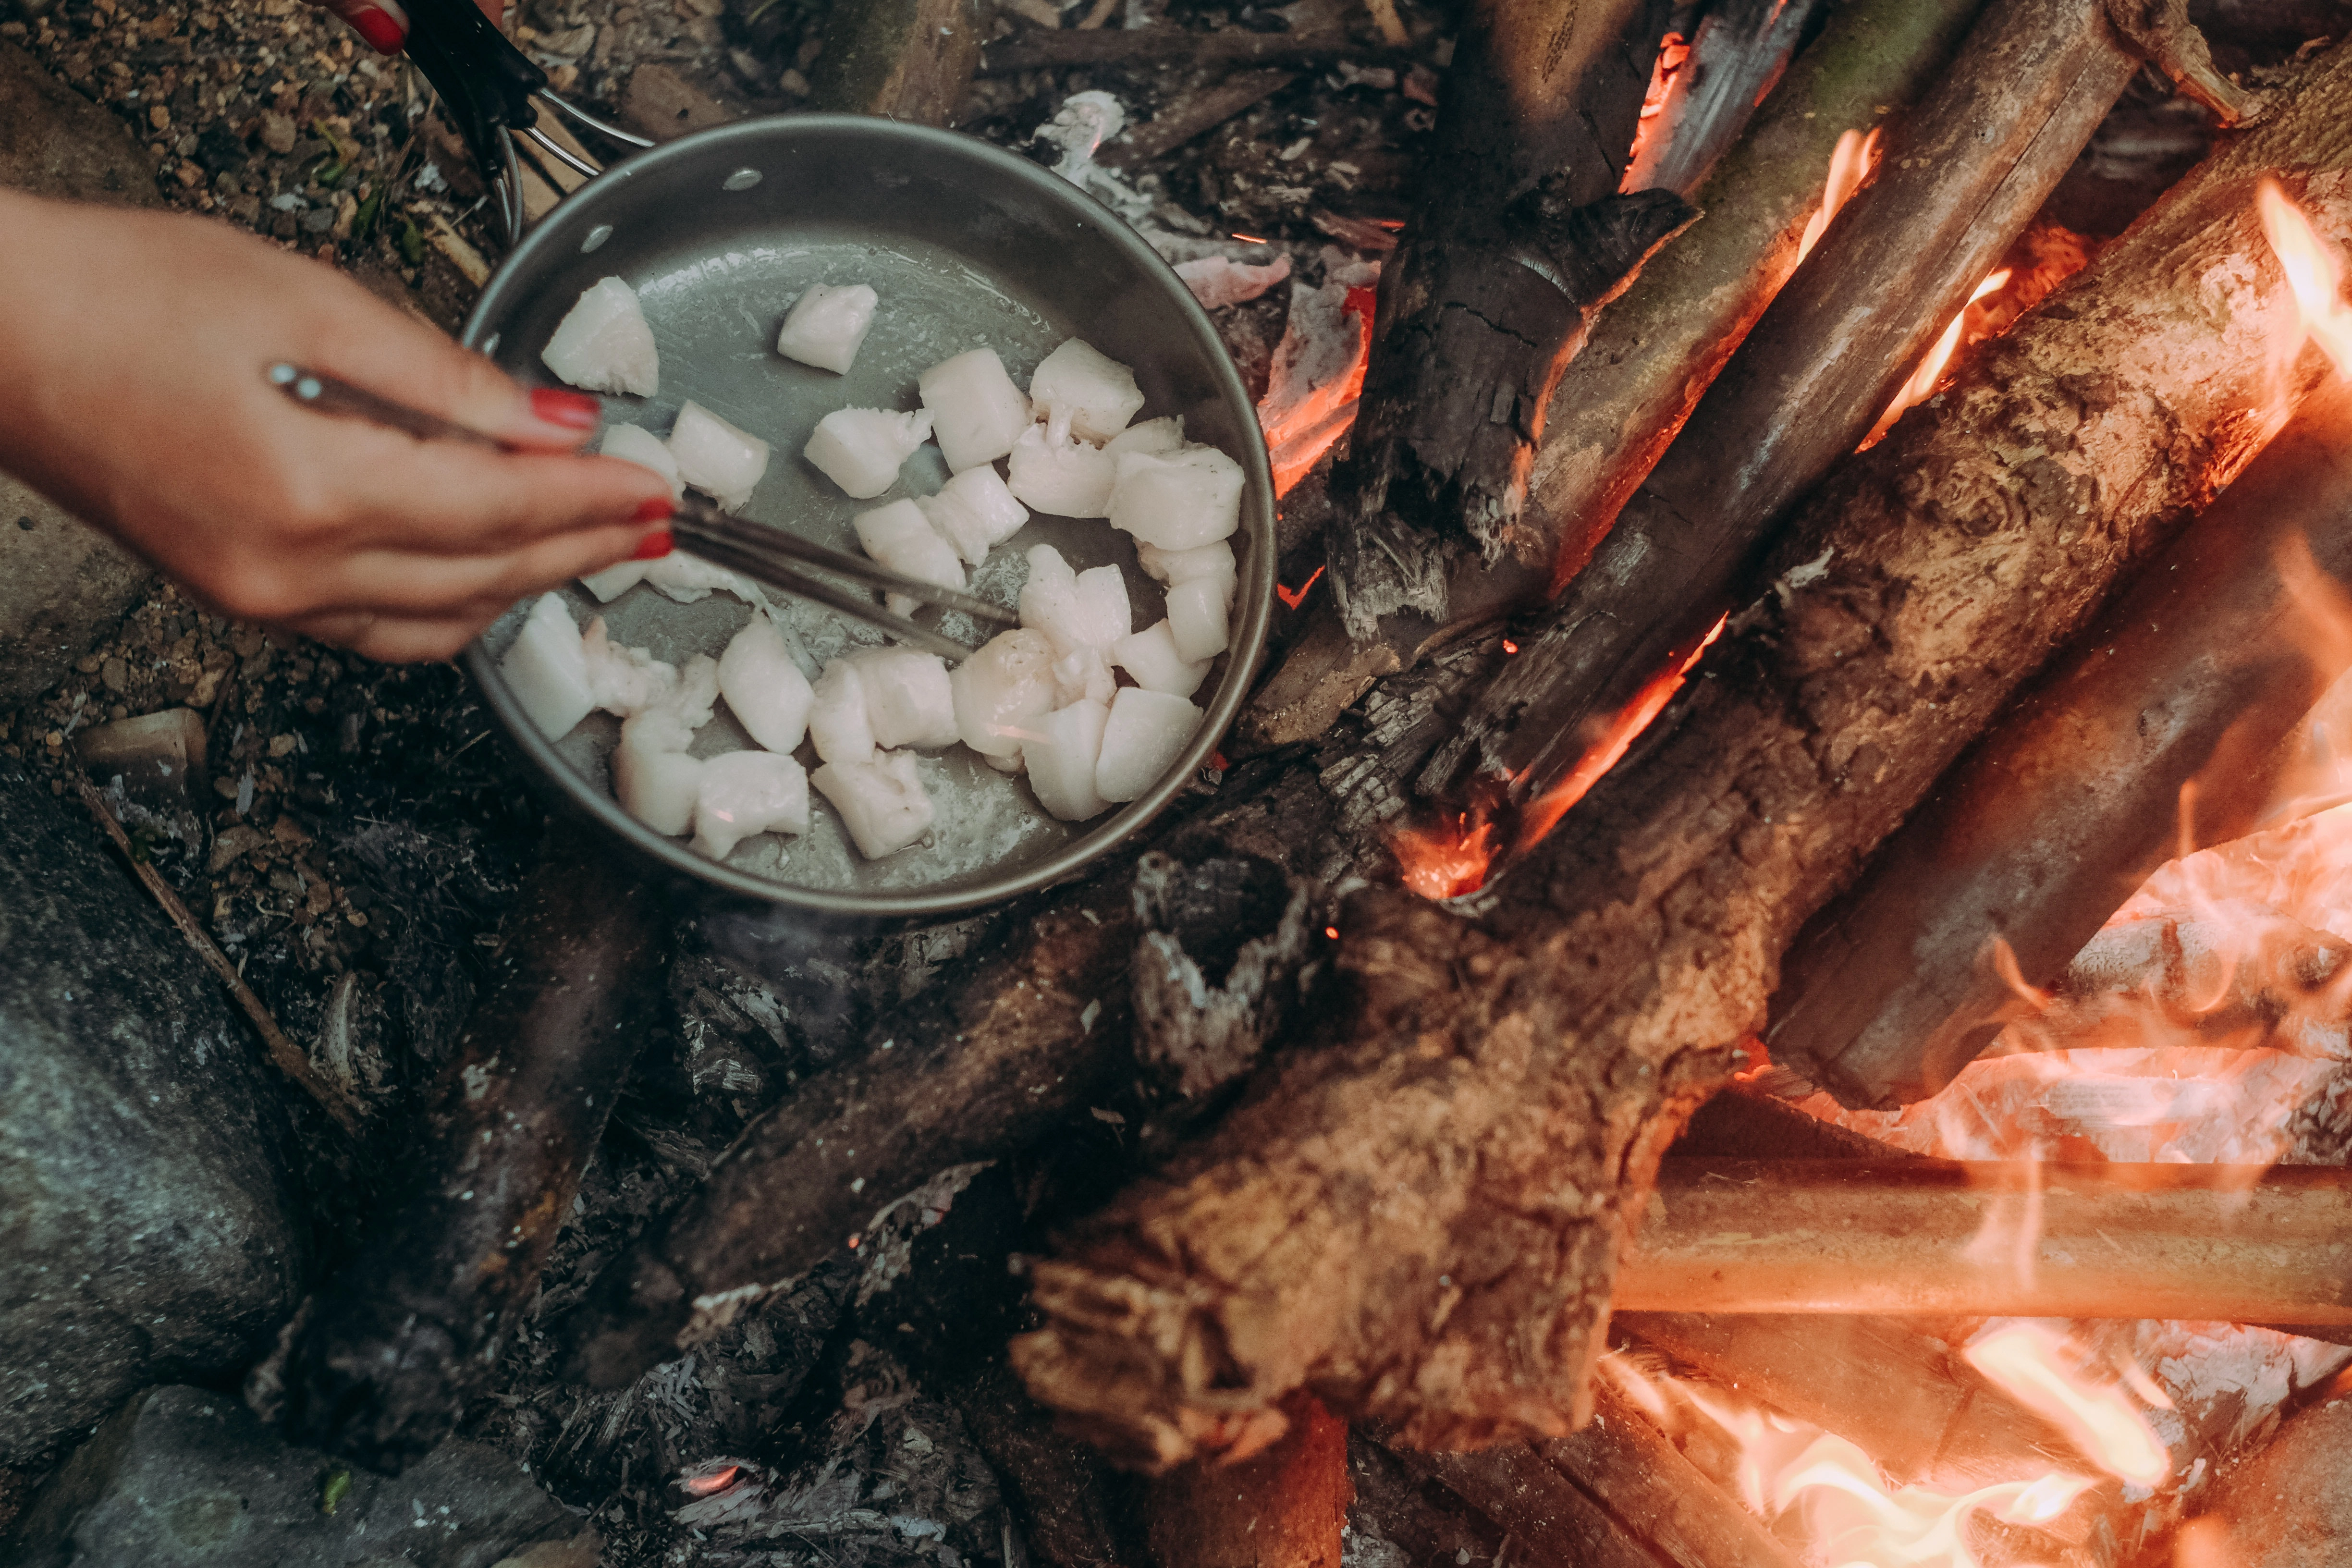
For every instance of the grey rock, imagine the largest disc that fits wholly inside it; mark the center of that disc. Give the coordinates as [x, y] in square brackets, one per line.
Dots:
[61, 584]
[146, 1207]
[182, 1477]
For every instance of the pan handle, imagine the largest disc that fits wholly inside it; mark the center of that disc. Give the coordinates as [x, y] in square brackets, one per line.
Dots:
[485, 82]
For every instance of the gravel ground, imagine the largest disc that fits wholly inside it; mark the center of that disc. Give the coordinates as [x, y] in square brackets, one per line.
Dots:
[363, 829]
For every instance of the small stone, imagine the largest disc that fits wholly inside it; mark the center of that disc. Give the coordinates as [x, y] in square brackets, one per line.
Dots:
[189, 175]
[159, 116]
[156, 755]
[317, 220]
[280, 745]
[233, 844]
[247, 210]
[113, 673]
[277, 132]
[795, 84]
[286, 830]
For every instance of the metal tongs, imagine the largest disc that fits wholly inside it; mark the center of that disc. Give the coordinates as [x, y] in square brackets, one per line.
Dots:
[486, 88]
[767, 554]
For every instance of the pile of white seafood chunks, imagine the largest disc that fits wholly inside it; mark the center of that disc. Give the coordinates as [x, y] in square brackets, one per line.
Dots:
[1046, 700]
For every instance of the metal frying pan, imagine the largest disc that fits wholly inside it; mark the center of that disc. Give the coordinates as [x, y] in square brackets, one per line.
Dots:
[968, 245]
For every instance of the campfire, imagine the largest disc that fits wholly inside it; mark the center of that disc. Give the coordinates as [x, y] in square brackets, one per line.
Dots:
[1766, 978]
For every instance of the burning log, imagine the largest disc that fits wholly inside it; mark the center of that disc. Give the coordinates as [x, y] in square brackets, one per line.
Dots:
[1651, 353]
[1282, 1508]
[1969, 172]
[1335, 1227]
[2205, 1242]
[2182, 696]
[1518, 239]
[2196, 973]
[380, 1362]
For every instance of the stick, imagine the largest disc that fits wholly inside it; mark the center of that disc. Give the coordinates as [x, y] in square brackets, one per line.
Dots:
[1509, 1072]
[1493, 288]
[291, 1059]
[385, 1357]
[2209, 1243]
[1196, 114]
[2029, 86]
[2177, 705]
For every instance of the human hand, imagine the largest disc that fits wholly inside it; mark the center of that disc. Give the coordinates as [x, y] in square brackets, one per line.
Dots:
[132, 392]
[385, 22]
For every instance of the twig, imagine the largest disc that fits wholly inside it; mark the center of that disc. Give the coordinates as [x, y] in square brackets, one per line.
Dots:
[290, 1056]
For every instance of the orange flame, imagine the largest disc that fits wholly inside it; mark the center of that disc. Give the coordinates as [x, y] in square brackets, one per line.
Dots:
[1449, 859]
[1840, 1506]
[1851, 163]
[1931, 368]
[2312, 272]
[1291, 599]
[2023, 1361]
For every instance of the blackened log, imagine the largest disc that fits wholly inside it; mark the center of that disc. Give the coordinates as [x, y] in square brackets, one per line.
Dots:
[1517, 240]
[2161, 730]
[1961, 180]
[1735, 56]
[1652, 353]
[1283, 1506]
[382, 1361]
[904, 59]
[1741, 1124]
[1543, 1514]
[1421, 1219]
[2203, 1243]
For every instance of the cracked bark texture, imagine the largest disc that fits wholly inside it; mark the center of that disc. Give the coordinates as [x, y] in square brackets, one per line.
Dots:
[1419, 1220]
[1487, 299]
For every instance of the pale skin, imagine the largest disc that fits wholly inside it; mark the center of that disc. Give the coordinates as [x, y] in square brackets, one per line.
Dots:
[132, 393]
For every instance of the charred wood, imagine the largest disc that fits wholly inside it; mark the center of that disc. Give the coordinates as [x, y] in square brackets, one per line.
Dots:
[1050, 49]
[2197, 976]
[2205, 1242]
[1518, 239]
[1741, 1124]
[380, 1363]
[905, 59]
[1421, 1217]
[1282, 1508]
[1735, 56]
[1963, 179]
[1199, 113]
[1541, 1512]
[2163, 729]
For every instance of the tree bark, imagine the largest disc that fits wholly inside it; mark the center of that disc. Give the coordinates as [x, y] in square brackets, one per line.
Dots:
[1421, 1219]
[2162, 732]
[1493, 287]
[1963, 179]
[904, 59]
[2204, 1243]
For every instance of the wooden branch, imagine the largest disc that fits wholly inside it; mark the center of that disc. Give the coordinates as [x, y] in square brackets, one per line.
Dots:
[1421, 1217]
[2029, 84]
[1736, 57]
[1195, 114]
[290, 1058]
[905, 59]
[1544, 1514]
[382, 1359]
[2275, 983]
[1281, 1507]
[2209, 1243]
[1491, 290]
[2166, 724]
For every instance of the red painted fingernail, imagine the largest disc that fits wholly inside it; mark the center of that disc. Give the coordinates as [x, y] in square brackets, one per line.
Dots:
[571, 410]
[653, 546]
[382, 33]
[654, 511]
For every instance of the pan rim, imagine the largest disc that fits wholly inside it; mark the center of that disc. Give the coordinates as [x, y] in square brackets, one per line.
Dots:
[1250, 624]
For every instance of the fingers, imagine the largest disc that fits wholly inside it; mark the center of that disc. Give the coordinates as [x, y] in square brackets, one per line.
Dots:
[433, 585]
[382, 23]
[388, 491]
[373, 345]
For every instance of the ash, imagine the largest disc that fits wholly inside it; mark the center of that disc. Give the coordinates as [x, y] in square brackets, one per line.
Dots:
[365, 830]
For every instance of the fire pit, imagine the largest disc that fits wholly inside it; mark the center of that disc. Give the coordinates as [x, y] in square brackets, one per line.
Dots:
[1761, 980]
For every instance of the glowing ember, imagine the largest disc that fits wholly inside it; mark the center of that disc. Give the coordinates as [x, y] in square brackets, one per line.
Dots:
[1449, 859]
[2022, 1360]
[2312, 270]
[1931, 368]
[1293, 597]
[1851, 162]
[704, 1486]
[1543, 814]
[1674, 52]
